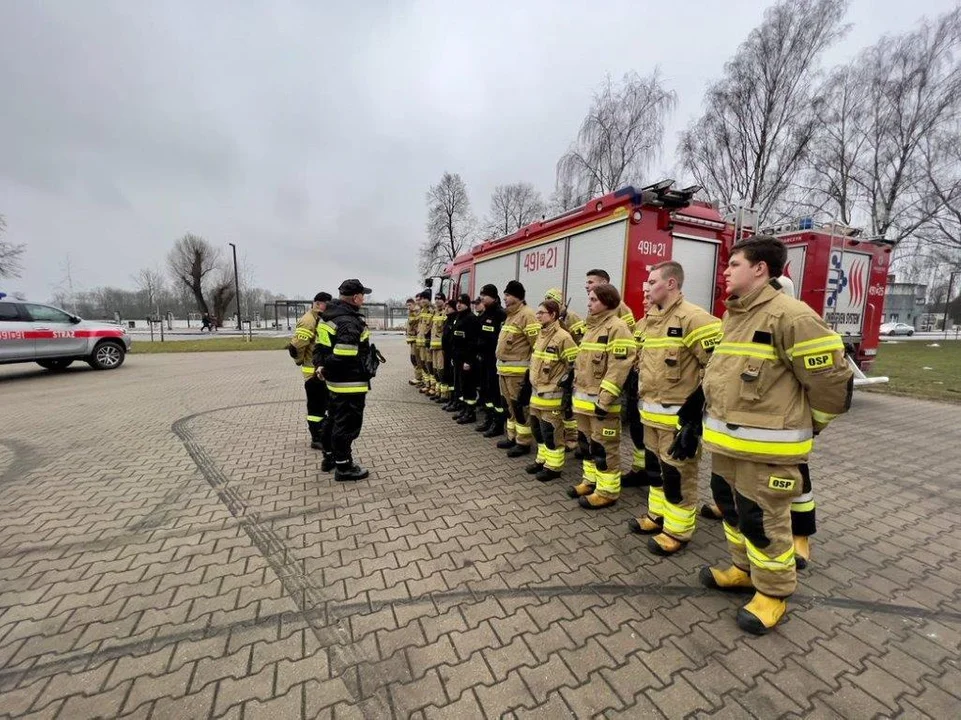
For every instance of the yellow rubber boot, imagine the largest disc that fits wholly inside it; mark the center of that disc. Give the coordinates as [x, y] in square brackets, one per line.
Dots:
[645, 525]
[761, 614]
[580, 490]
[802, 551]
[711, 512]
[732, 579]
[593, 501]
[664, 544]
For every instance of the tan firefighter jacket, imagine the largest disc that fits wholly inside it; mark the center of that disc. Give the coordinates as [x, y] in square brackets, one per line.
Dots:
[777, 375]
[678, 342]
[551, 360]
[604, 360]
[516, 340]
[569, 320]
[437, 319]
[423, 325]
[305, 336]
[627, 315]
[413, 320]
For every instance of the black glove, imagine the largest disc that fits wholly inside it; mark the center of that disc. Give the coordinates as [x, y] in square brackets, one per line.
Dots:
[526, 390]
[600, 412]
[692, 410]
[291, 350]
[686, 440]
[631, 385]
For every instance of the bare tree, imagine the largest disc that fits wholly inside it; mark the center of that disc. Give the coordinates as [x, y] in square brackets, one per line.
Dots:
[914, 96]
[563, 198]
[150, 283]
[191, 261]
[449, 223]
[222, 293]
[621, 136]
[760, 117]
[11, 254]
[512, 207]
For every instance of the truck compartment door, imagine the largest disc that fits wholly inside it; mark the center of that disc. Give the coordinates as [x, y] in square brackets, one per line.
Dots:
[699, 259]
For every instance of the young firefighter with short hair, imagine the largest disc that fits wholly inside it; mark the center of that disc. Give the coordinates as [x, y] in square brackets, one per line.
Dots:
[413, 319]
[777, 378]
[301, 349]
[514, 346]
[679, 337]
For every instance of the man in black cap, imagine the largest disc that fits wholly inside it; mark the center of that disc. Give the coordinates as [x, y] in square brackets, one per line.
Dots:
[491, 320]
[464, 346]
[343, 344]
[301, 349]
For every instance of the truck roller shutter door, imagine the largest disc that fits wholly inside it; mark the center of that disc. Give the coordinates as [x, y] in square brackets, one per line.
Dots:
[497, 271]
[602, 248]
[699, 260]
[541, 268]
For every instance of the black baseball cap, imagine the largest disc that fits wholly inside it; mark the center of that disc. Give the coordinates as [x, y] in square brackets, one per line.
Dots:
[353, 286]
[322, 297]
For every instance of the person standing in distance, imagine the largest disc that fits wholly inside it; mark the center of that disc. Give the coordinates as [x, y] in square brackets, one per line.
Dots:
[301, 349]
[343, 344]
[413, 319]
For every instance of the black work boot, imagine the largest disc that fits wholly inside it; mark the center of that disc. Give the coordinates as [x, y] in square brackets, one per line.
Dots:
[327, 464]
[349, 470]
[487, 424]
[534, 468]
[497, 427]
[546, 475]
[468, 416]
[506, 444]
[635, 478]
[450, 406]
[316, 444]
[517, 450]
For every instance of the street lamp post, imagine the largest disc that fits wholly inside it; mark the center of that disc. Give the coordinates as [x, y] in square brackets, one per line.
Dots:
[237, 286]
[947, 299]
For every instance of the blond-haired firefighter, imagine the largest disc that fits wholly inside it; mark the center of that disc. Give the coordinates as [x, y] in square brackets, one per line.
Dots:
[423, 340]
[301, 349]
[413, 319]
[678, 342]
[439, 391]
[514, 346]
[550, 375]
[604, 360]
[777, 378]
[575, 327]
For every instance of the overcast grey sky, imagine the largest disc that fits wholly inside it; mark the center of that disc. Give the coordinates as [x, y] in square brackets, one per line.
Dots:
[308, 133]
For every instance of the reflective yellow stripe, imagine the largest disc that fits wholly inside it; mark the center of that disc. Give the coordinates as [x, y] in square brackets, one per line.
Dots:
[596, 346]
[532, 328]
[589, 406]
[613, 389]
[746, 349]
[709, 330]
[802, 507]
[546, 403]
[511, 330]
[570, 424]
[621, 344]
[781, 563]
[314, 418]
[658, 343]
[822, 418]
[679, 520]
[571, 354]
[542, 355]
[346, 350]
[825, 343]
[577, 328]
[304, 334]
[306, 370]
[522, 429]
[347, 387]
[365, 335]
[589, 472]
[758, 447]
[655, 502]
[670, 421]
[733, 535]
[638, 459]
[608, 481]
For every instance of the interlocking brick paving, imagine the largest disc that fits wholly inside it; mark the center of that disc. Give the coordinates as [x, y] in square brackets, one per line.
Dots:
[170, 549]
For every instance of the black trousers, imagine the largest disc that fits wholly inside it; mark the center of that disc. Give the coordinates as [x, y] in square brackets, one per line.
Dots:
[345, 417]
[466, 382]
[490, 389]
[317, 401]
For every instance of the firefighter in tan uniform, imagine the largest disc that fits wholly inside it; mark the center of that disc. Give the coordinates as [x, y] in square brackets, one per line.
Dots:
[551, 375]
[604, 360]
[410, 336]
[645, 468]
[421, 343]
[679, 338]
[597, 277]
[514, 346]
[440, 391]
[777, 378]
[301, 349]
[575, 326]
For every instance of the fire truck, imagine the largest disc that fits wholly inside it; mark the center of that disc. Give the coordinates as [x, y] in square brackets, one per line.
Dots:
[839, 274]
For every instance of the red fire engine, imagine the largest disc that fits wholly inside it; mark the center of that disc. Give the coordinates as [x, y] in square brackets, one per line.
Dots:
[626, 232]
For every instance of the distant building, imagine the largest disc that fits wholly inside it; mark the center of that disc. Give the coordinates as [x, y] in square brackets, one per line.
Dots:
[904, 302]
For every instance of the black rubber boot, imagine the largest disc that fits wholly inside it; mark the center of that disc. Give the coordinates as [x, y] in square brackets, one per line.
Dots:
[534, 468]
[469, 416]
[497, 427]
[350, 471]
[487, 424]
[327, 464]
[546, 475]
[518, 450]
[506, 444]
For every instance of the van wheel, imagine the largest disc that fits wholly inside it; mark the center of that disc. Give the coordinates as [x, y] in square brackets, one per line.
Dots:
[107, 355]
[54, 365]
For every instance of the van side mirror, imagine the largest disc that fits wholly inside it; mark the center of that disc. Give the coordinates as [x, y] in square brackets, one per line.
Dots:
[74, 319]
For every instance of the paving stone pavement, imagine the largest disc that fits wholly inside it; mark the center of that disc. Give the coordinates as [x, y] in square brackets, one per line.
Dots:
[170, 549]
